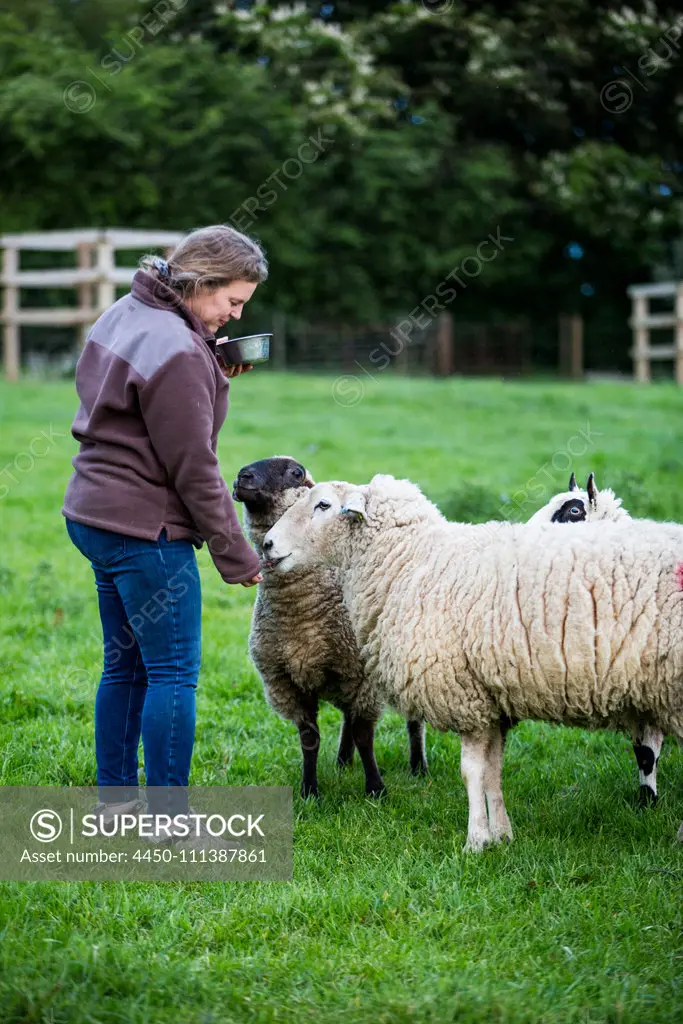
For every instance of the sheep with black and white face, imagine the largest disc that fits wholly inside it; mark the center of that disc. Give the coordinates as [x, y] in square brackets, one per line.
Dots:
[577, 506]
[591, 506]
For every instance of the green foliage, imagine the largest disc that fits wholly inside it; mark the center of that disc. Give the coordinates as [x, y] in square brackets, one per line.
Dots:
[439, 128]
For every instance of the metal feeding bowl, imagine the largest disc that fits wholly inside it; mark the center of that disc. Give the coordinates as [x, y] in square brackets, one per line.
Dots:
[252, 348]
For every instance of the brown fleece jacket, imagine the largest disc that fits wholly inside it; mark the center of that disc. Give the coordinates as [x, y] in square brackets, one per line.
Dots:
[153, 399]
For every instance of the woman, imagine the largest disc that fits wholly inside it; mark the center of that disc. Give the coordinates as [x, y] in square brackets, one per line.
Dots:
[146, 490]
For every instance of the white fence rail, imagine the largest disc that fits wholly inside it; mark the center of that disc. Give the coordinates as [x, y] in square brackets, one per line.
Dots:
[95, 278]
[643, 321]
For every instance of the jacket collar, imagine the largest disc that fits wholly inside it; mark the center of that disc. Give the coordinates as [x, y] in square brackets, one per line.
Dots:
[149, 289]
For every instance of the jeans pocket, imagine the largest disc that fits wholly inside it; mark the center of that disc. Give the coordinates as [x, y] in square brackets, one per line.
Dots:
[101, 547]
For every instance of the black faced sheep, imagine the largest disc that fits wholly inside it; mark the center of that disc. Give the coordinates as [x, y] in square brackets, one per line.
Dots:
[301, 639]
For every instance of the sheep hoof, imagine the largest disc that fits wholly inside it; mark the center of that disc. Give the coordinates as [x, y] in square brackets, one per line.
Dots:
[376, 792]
[419, 768]
[344, 761]
[502, 834]
[477, 843]
[310, 792]
[648, 797]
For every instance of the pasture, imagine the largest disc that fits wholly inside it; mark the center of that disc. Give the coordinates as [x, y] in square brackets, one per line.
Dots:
[386, 920]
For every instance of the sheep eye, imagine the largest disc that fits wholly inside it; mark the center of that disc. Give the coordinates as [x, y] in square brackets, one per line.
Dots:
[322, 505]
[298, 472]
[575, 511]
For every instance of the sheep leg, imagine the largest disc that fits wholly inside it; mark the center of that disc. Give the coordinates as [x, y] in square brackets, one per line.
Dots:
[309, 735]
[363, 730]
[647, 744]
[418, 753]
[346, 744]
[473, 768]
[499, 823]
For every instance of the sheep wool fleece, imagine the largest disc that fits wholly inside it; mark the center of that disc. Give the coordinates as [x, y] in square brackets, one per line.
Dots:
[577, 626]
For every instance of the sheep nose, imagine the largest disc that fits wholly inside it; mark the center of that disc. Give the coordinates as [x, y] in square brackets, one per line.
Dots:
[267, 545]
[245, 475]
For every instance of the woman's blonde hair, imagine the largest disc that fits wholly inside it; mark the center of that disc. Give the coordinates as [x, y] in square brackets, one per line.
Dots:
[209, 258]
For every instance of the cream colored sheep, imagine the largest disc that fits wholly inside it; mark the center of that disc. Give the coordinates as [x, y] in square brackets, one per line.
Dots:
[575, 506]
[583, 627]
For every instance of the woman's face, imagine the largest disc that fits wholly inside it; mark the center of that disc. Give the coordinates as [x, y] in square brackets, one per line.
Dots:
[226, 303]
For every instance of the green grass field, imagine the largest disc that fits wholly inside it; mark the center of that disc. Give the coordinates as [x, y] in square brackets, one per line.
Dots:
[580, 920]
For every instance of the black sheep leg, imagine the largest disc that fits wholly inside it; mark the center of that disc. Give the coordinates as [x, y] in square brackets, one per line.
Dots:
[309, 736]
[418, 754]
[363, 731]
[647, 746]
[346, 744]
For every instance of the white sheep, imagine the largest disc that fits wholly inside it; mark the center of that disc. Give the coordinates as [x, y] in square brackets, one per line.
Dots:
[575, 506]
[593, 505]
[582, 627]
[301, 639]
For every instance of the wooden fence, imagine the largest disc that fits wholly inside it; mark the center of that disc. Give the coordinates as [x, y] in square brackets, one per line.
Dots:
[643, 321]
[95, 278]
[449, 344]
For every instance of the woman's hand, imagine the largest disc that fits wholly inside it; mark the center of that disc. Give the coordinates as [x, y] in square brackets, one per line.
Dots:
[258, 578]
[234, 371]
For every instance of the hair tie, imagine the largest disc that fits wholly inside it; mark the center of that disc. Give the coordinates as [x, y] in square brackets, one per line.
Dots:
[161, 266]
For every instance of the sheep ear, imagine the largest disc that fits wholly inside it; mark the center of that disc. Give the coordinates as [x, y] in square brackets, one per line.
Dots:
[572, 483]
[354, 507]
[592, 490]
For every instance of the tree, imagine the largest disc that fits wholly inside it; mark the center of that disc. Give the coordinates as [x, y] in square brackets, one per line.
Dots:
[433, 131]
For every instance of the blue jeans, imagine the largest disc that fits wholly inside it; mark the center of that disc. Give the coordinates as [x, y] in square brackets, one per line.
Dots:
[150, 605]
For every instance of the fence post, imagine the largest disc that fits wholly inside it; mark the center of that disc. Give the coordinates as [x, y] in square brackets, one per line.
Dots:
[679, 335]
[571, 346]
[11, 353]
[641, 340]
[444, 345]
[85, 291]
[106, 289]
